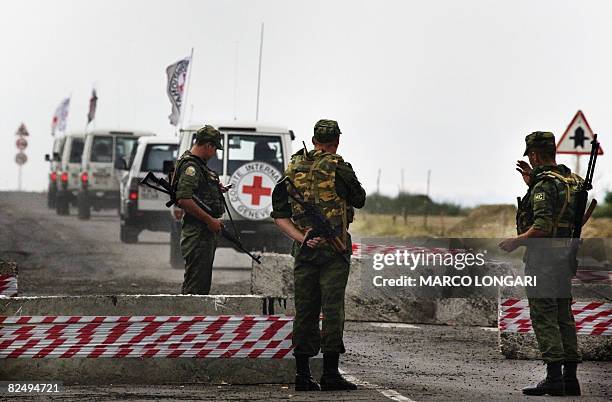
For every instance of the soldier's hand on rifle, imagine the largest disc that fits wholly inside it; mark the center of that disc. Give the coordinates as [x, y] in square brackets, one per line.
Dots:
[224, 189]
[215, 225]
[313, 242]
[525, 170]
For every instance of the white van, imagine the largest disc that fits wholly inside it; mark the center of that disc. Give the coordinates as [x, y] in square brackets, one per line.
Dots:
[141, 207]
[68, 170]
[54, 160]
[104, 152]
[253, 159]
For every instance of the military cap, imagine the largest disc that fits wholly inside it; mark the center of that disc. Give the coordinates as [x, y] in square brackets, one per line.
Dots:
[539, 139]
[209, 134]
[326, 131]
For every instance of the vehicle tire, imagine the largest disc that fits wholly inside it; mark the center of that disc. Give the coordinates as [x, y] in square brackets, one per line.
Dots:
[51, 196]
[128, 234]
[176, 258]
[62, 204]
[83, 206]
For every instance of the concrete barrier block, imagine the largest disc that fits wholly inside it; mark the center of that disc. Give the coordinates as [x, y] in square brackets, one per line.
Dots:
[368, 303]
[140, 305]
[147, 370]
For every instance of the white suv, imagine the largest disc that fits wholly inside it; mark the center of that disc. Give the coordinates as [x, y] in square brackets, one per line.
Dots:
[68, 170]
[254, 158]
[142, 208]
[104, 152]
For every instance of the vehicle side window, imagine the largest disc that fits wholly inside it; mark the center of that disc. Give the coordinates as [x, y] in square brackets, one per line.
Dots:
[156, 154]
[124, 146]
[76, 150]
[102, 149]
[132, 156]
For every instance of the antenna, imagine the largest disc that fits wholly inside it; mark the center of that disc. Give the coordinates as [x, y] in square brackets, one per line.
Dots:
[259, 71]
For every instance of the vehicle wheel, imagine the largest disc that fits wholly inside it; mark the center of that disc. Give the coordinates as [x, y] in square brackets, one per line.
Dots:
[128, 234]
[176, 258]
[51, 196]
[62, 204]
[83, 206]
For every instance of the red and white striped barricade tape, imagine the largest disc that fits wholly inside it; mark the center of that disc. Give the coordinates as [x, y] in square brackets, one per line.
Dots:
[146, 336]
[593, 276]
[8, 286]
[592, 318]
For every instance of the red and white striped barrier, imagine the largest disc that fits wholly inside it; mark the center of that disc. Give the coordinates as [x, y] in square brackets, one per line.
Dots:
[592, 318]
[8, 286]
[146, 336]
[593, 276]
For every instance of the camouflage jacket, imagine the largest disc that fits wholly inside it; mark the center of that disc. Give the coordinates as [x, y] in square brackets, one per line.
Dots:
[345, 189]
[194, 177]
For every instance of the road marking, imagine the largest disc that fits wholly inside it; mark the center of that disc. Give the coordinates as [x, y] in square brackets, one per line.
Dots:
[388, 393]
[492, 329]
[393, 325]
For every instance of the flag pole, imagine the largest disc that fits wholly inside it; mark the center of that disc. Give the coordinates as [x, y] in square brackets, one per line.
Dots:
[188, 80]
[259, 71]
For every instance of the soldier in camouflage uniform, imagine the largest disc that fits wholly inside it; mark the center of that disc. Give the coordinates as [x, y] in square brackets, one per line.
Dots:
[545, 214]
[321, 270]
[199, 229]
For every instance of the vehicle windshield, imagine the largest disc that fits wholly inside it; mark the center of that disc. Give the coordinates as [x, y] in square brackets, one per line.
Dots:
[156, 154]
[216, 162]
[102, 149]
[124, 146]
[76, 150]
[247, 148]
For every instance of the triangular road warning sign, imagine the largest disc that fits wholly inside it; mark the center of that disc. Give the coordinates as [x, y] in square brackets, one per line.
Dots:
[576, 140]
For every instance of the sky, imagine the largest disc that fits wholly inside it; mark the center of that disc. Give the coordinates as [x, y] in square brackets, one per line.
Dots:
[447, 86]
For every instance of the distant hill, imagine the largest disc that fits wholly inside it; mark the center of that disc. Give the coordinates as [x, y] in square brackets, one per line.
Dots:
[410, 204]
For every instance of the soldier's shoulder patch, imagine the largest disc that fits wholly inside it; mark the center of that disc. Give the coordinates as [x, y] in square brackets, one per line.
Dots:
[190, 171]
[539, 196]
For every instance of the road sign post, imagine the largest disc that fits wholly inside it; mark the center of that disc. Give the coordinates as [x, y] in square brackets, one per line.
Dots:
[21, 158]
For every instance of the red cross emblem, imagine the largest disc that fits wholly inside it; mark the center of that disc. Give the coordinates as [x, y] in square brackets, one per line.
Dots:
[256, 190]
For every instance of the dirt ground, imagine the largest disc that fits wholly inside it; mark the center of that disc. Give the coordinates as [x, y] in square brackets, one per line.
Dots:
[62, 255]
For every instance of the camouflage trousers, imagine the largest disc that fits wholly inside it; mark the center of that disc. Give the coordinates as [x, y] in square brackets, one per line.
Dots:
[320, 283]
[555, 329]
[550, 305]
[198, 247]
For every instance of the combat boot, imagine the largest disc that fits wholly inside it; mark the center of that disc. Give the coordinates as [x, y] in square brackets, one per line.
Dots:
[303, 378]
[331, 380]
[551, 385]
[572, 386]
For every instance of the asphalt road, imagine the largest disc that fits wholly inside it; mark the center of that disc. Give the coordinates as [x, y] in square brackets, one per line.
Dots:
[62, 255]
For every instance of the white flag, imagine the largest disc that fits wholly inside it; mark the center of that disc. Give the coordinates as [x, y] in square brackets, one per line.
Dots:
[177, 76]
[60, 116]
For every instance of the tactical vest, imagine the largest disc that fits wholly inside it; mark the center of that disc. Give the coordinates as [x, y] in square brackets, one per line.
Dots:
[314, 175]
[565, 203]
[208, 187]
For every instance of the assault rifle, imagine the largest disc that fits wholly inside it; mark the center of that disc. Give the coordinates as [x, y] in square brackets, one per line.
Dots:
[162, 185]
[581, 201]
[321, 226]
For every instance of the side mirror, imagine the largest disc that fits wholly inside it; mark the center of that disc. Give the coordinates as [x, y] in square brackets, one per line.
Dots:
[292, 135]
[120, 164]
[168, 167]
[47, 158]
